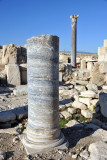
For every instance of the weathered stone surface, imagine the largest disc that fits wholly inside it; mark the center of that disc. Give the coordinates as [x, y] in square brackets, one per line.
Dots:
[92, 87]
[13, 74]
[80, 88]
[100, 133]
[60, 76]
[72, 110]
[20, 90]
[2, 155]
[90, 66]
[62, 106]
[103, 67]
[73, 40]
[84, 154]
[1, 53]
[9, 54]
[81, 82]
[72, 123]
[61, 67]
[98, 151]
[85, 101]
[80, 105]
[66, 114]
[94, 102]
[102, 54]
[103, 103]
[88, 94]
[6, 116]
[96, 77]
[76, 97]
[43, 130]
[83, 64]
[74, 92]
[86, 113]
[84, 75]
[105, 42]
[104, 87]
[69, 104]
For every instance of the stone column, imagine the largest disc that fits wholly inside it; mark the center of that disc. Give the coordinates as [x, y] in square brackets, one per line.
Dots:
[43, 130]
[73, 40]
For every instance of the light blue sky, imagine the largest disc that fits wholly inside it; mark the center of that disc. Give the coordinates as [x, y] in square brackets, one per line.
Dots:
[22, 19]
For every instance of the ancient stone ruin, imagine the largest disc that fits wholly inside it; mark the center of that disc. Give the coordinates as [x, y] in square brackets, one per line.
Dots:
[73, 39]
[43, 130]
[13, 68]
[74, 106]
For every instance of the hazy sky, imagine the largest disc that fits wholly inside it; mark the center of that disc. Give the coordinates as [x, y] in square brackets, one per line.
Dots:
[22, 19]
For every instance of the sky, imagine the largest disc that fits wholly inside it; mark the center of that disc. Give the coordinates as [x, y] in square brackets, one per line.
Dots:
[23, 19]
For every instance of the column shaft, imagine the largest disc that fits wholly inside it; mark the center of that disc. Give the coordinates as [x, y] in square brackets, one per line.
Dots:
[73, 45]
[73, 40]
[43, 130]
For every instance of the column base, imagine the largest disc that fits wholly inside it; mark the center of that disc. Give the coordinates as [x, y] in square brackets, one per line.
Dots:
[34, 148]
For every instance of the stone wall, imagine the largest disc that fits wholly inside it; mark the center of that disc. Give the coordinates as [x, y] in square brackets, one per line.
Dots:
[102, 52]
[12, 71]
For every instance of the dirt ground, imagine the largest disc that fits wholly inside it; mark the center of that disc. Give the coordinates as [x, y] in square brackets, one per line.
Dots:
[79, 139]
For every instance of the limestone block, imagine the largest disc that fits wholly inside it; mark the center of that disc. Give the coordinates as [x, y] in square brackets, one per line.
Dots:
[72, 110]
[1, 53]
[63, 58]
[9, 54]
[105, 43]
[85, 101]
[92, 87]
[98, 151]
[66, 114]
[96, 77]
[80, 105]
[100, 133]
[21, 90]
[76, 97]
[103, 67]
[13, 74]
[61, 67]
[86, 113]
[84, 154]
[72, 123]
[94, 102]
[83, 64]
[103, 103]
[78, 60]
[102, 54]
[81, 82]
[90, 66]
[104, 87]
[60, 76]
[84, 75]
[80, 88]
[88, 94]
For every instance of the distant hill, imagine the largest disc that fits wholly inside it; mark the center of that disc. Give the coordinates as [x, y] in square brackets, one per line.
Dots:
[80, 52]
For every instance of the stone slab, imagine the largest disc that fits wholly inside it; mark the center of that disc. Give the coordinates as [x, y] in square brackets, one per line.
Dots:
[13, 74]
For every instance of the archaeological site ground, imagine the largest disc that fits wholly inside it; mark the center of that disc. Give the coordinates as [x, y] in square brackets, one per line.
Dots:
[53, 105]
